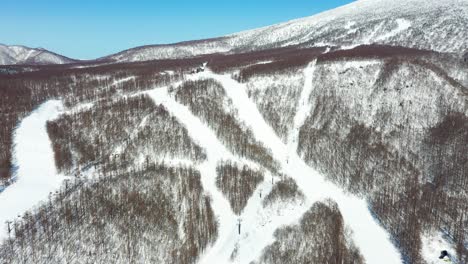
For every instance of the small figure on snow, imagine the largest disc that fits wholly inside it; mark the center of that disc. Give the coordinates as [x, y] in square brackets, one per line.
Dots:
[444, 255]
[200, 68]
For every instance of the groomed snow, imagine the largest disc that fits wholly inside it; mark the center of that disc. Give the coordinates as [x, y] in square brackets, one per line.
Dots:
[304, 105]
[216, 151]
[432, 245]
[258, 224]
[34, 158]
[374, 242]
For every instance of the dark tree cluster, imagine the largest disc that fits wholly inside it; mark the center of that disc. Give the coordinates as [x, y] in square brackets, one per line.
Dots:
[373, 51]
[136, 125]
[24, 88]
[156, 215]
[277, 98]
[17, 99]
[284, 191]
[237, 183]
[250, 62]
[320, 237]
[414, 177]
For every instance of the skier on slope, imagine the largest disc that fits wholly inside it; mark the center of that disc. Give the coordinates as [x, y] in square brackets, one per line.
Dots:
[445, 257]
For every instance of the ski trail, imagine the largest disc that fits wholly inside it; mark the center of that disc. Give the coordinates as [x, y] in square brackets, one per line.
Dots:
[373, 241]
[304, 106]
[258, 225]
[216, 152]
[34, 157]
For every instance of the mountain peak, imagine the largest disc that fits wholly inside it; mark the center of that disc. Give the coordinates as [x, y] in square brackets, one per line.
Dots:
[18, 54]
[417, 24]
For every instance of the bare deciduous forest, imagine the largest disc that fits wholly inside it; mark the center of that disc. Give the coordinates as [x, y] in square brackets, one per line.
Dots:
[320, 237]
[285, 190]
[207, 100]
[387, 124]
[238, 183]
[109, 219]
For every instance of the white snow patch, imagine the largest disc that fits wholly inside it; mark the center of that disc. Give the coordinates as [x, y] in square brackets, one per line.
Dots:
[123, 80]
[402, 25]
[34, 158]
[264, 62]
[168, 72]
[216, 151]
[304, 105]
[432, 245]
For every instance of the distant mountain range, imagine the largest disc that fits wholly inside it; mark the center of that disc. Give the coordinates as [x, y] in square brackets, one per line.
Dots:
[437, 25]
[16, 55]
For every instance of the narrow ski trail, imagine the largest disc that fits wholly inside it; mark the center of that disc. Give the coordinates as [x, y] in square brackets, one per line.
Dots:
[258, 225]
[374, 242]
[216, 152]
[34, 158]
[304, 106]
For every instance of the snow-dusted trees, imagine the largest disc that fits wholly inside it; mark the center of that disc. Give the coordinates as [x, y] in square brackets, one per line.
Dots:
[237, 183]
[207, 100]
[136, 125]
[15, 103]
[156, 215]
[22, 89]
[320, 237]
[386, 123]
[284, 191]
[277, 97]
[379, 133]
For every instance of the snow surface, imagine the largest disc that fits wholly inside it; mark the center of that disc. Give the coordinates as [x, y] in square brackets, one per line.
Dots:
[413, 23]
[374, 242]
[304, 105]
[258, 224]
[34, 158]
[432, 245]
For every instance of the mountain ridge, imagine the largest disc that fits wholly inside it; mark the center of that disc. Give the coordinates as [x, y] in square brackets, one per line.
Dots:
[413, 24]
[22, 55]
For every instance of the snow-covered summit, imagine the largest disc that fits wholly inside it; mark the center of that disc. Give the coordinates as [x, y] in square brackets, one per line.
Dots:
[10, 55]
[433, 25]
[423, 24]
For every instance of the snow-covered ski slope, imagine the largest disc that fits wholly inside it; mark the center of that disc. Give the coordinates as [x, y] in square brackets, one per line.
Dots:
[432, 245]
[215, 153]
[34, 158]
[433, 25]
[258, 223]
[304, 106]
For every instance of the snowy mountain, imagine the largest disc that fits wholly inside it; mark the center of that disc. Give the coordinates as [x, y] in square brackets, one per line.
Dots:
[431, 25]
[435, 25]
[339, 138]
[11, 55]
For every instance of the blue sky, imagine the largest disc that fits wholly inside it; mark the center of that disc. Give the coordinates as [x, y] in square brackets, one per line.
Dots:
[86, 29]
